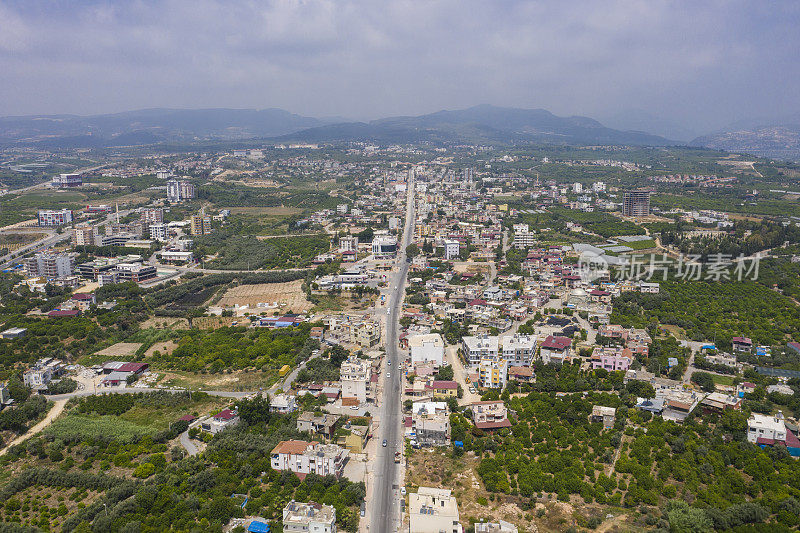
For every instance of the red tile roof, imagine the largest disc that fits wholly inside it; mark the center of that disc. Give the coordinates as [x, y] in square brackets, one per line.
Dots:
[293, 447]
[556, 343]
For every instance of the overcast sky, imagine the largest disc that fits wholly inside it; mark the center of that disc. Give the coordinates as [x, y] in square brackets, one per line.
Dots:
[700, 64]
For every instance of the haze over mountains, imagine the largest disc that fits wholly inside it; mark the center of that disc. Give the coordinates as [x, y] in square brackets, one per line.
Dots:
[479, 124]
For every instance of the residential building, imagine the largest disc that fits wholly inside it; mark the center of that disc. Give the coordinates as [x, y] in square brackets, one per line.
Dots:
[605, 415]
[50, 265]
[309, 518]
[152, 216]
[83, 235]
[67, 180]
[493, 373]
[741, 344]
[355, 374]
[769, 428]
[433, 510]
[220, 421]
[367, 333]
[283, 403]
[324, 424]
[442, 390]
[54, 217]
[518, 350]
[490, 414]
[636, 203]
[430, 429]
[717, 402]
[479, 348]
[13, 333]
[556, 349]
[159, 231]
[179, 190]
[175, 256]
[451, 249]
[302, 457]
[612, 359]
[136, 272]
[348, 243]
[428, 348]
[200, 225]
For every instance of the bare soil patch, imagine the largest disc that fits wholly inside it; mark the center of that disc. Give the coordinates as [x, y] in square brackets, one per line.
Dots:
[287, 296]
[121, 349]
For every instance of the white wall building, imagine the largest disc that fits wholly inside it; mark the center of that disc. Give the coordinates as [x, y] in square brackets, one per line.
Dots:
[309, 518]
[302, 457]
[354, 375]
[427, 348]
[478, 348]
[766, 427]
[451, 249]
[433, 510]
[518, 350]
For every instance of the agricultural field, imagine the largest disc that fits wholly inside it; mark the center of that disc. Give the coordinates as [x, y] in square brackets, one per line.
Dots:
[286, 297]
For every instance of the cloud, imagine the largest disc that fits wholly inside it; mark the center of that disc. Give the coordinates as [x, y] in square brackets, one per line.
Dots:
[705, 62]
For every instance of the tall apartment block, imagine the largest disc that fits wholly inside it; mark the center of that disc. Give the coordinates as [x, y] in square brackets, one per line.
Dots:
[636, 203]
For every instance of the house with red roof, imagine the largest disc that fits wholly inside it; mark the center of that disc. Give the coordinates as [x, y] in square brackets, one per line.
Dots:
[220, 421]
[556, 349]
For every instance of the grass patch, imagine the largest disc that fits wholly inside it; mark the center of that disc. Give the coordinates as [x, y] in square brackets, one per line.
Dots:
[722, 380]
[94, 426]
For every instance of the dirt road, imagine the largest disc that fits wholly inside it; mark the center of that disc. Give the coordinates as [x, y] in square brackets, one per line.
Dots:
[56, 410]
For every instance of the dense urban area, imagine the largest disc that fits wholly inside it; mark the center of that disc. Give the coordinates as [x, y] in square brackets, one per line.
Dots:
[425, 337]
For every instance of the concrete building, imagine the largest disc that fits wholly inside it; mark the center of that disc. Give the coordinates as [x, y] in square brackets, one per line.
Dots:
[179, 190]
[283, 403]
[354, 375]
[200, 225]
[433, 510]
[495, 527]
[636, 203]
[605, 415]
[152, 216]
[159, 231]
[50, 265]
[309, 518]
[83, 235]
[302, 457]
[348, 243]
[67, 180]
[384, 247]
[478, 348]
[451, 249]
[518, 350]
[489, 414]
[54, 217]
[555, 349]
[428, 348]
[493, 373]
[220, 421]
[765, 427]
[136, 272]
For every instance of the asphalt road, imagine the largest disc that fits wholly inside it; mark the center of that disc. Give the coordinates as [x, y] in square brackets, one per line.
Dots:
[384, 509]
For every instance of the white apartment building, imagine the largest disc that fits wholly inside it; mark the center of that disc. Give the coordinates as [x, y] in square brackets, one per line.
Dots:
[179, 190]
[478, 348]
[302, 457]
[354, 375]
[452, 249]
[518, 350]
[765, 427]
[309, 517]
[50, 265]
[348, 244]
[433, 510]
[54, 217]
[427, 348]
[341, 209]
[493, 373]
[159, 232]
[394, 223]
[521, 228]
[524, 240]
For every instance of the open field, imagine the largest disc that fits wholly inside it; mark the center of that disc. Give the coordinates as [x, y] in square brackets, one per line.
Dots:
[212, 322]
[286, 296]
[278, 211]
[121, 349]
[162, 322]
[234, 381]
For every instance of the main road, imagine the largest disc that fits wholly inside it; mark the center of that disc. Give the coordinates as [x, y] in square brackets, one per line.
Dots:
[384, 508]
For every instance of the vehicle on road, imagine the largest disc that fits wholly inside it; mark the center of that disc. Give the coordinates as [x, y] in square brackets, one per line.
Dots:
[389, 362]
[385, 443]
[397, 457]
[403, 491]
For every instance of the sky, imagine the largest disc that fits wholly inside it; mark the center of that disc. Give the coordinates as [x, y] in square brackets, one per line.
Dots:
[699, 65]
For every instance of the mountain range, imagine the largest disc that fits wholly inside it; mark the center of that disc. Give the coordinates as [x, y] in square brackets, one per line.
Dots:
[483, 124]
[478, 124]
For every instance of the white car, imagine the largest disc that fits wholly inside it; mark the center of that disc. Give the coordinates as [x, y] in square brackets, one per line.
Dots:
[388, 375]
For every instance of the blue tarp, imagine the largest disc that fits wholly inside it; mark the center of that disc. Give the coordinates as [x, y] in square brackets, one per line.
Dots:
[257, 526]
[708, 347]
[458, 444]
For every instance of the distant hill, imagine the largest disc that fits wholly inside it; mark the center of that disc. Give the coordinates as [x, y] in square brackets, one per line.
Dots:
[479, 124]
[148, 126]
[641, 120]
[775, 138]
